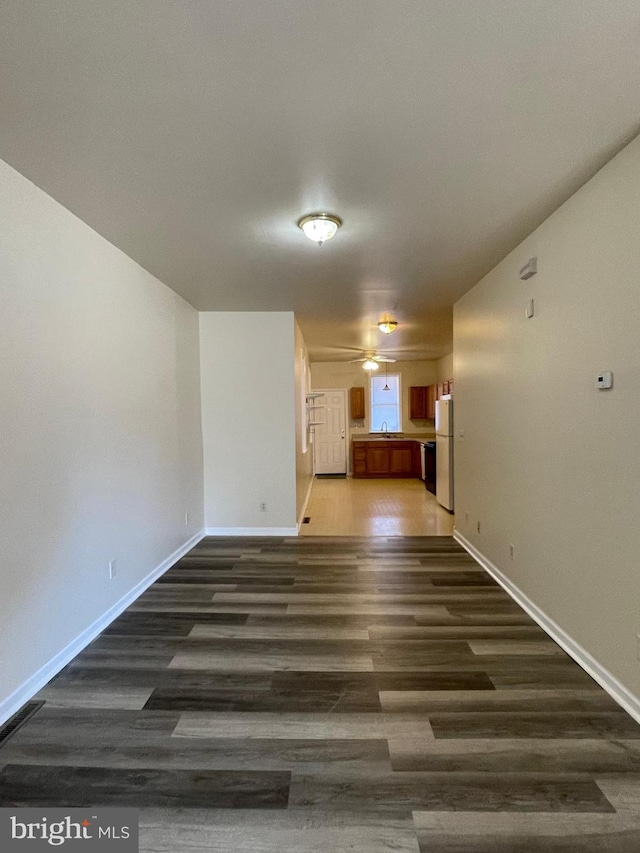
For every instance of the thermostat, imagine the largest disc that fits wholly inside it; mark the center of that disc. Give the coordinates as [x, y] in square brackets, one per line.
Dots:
[605, 379]
[529, 269]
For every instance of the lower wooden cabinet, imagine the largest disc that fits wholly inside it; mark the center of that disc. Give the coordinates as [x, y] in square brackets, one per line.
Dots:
[401, 459]
[386, 459]
[376, 460]
[359, 466]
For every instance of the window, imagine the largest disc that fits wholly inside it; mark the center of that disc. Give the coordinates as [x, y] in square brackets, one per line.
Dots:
[385, 404]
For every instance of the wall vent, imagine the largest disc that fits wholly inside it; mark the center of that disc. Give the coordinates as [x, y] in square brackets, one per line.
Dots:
[18, 720]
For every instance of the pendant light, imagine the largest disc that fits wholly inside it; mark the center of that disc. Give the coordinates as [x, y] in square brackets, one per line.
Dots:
[386, 378]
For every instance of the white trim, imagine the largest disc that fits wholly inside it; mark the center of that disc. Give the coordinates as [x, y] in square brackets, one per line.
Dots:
[596, 670]
[42, 676]
[304, 505]
[251, 531]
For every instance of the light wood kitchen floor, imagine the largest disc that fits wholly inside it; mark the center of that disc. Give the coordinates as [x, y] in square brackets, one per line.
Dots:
[348, 507]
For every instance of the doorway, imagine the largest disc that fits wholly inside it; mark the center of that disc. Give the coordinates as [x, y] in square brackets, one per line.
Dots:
[330, 441]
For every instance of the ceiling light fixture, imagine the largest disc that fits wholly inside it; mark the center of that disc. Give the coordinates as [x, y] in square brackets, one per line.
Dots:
[370, 365]
[388, 326]
[320, 227]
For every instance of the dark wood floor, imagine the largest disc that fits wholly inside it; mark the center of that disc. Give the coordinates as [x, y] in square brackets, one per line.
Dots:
[320, 694]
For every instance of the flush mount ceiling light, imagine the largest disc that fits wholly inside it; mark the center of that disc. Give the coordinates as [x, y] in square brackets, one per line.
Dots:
[320, 227]
[388, 326]
[370, 365]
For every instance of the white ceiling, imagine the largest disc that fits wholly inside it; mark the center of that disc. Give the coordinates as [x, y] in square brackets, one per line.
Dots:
[193, 134]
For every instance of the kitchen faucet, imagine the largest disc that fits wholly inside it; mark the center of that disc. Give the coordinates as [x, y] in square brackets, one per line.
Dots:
[386, 428]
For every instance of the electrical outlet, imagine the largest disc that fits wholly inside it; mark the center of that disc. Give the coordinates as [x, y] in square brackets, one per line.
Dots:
[477, 527]
[511, 550]
[263, 506]
[112, 568]
[186, 519]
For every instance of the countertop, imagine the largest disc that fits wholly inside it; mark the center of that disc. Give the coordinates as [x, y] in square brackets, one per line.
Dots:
[412, 437]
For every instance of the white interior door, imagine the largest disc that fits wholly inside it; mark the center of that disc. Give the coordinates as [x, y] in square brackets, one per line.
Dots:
[330, 439]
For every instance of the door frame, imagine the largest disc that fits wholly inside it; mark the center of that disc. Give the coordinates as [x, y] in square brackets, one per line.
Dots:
[347, 438]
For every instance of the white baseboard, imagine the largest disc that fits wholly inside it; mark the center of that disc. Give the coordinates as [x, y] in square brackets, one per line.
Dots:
[42, 676]
[304, 504]
[599, 673]
[251, 531]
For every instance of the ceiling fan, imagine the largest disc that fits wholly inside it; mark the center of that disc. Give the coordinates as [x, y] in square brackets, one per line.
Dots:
[373, 357]
[371, 362]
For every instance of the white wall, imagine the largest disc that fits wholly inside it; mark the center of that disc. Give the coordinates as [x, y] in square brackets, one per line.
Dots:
[100, 444]
[548, 462]
[248, 421]
[444, 368]
[340, 374]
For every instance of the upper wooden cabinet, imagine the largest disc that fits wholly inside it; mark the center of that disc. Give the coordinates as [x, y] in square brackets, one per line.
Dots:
[356, 403]
[431, 401]
[418, 402]
[422, 402]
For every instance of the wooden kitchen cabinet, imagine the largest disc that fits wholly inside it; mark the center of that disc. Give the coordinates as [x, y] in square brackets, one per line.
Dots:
[356, 403]
[418, 402]
[422, 401]
[401, 458]
[386, 459]
[377, 460]
[431, 401]
[359, 467]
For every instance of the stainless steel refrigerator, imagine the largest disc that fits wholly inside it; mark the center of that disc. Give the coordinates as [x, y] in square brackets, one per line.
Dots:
[444, 452]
